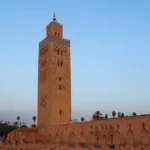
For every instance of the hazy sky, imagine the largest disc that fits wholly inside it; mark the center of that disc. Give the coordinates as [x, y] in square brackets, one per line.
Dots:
[110, 54]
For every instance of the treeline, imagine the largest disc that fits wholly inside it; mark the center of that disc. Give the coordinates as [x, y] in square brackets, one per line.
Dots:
[6, 126]
[99, 116]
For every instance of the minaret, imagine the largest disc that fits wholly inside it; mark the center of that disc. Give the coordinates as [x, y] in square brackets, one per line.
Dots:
[54, 77]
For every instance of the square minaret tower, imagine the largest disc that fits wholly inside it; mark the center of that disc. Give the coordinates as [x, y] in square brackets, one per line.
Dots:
[54, 77]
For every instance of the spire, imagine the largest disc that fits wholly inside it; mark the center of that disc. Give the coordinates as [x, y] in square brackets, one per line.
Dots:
[54, 17]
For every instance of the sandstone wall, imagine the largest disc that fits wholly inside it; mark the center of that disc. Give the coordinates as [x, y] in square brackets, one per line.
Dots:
[123, 133]
[131, 130]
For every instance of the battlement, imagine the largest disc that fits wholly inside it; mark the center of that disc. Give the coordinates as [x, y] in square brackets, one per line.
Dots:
[125, 131]
[66, 40]
[45, 41]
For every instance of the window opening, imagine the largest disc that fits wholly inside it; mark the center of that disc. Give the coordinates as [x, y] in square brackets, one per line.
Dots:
[59, 87]
[60, 112]
[58, 51]
[61, 63]
[143, 124]
[62, 53]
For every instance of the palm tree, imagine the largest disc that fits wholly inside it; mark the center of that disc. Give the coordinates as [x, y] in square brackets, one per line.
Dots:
[18, 118]
[122, 115]
[134, 113]
[113, 114]
[119, 114]
[34, 119]
[97, 116]
[82, 119]
[106, 116]
[16, 123]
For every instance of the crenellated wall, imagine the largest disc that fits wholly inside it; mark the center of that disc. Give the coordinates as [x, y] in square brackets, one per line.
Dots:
[131, 130]
[122, 132]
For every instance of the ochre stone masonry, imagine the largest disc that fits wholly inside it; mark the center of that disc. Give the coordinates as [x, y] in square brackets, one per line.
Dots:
[55, 129]
[54, 83]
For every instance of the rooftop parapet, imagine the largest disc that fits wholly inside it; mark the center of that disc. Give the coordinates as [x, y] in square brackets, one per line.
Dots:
[66, 40]
[53, 36]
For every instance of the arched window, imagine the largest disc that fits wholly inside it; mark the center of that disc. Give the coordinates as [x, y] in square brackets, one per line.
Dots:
[60, 87]
[58, 51]
[55, 34]
[62, 53]
[59, 78]
[61, 63]
[60, 112]
[58, 35]
[143, 124]
[58, 63]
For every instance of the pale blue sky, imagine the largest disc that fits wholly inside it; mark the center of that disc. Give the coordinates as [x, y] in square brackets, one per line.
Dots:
[110, 50]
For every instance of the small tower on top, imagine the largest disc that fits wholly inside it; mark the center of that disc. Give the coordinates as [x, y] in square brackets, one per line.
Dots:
[54, 29]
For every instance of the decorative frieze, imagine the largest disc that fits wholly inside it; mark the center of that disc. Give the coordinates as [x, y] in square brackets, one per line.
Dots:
[43, 75]
[43, 101]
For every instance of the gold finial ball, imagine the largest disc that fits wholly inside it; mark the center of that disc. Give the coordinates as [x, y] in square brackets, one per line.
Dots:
[54, 17]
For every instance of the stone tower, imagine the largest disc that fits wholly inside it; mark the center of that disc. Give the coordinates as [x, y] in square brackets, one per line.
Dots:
[54, 77]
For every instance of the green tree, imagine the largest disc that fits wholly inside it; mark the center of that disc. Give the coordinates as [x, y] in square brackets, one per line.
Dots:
[113, 114]
[16, 123]
[6, 127]
[122, 115]
[97, 116]
[34, 119]
[82, 119]
[134, 113]
[18, 118]
[106, 116]
[119, 114]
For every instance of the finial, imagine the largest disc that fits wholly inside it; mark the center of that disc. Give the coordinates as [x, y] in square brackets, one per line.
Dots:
[54, 17]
